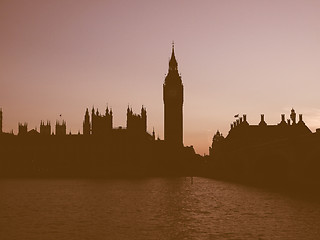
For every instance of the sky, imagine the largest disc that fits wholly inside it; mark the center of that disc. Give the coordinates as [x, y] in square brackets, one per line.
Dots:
[235, 57]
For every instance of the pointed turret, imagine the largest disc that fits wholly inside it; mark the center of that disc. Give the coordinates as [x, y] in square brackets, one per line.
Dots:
[144, 118]
[173, 64]
[173, 77]
[86, 123]
[153, 134]
[143, 111]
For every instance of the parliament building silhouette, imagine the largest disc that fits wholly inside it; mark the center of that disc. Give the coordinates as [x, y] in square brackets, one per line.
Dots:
[98, 124]
[101, 149]
[285, 153]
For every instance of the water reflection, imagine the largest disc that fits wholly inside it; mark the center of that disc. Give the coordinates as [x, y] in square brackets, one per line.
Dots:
[158, 208]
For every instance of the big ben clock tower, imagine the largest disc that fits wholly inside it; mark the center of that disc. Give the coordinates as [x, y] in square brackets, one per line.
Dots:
[173, 102]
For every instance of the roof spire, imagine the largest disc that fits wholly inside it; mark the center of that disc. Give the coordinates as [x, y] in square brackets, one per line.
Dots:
[173, 64]
[172, 52]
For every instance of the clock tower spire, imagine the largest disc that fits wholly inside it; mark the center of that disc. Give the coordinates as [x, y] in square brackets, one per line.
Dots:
[173, 104]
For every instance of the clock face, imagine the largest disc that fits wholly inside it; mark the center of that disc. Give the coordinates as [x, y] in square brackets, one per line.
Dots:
[172, 93]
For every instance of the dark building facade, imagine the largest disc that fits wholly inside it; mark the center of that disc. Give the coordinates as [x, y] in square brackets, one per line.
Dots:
[136, 122]
[243, 134]
[45, 128]
[100, 124]
[22, 129]
[173, 104]
[61, 128]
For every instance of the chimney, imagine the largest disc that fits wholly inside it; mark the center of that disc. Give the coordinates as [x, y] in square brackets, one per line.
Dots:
[300, 118]
[244, 117]
[262, 122]
[283, 118]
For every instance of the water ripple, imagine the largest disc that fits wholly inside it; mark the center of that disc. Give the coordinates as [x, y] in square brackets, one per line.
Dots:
[158, 208]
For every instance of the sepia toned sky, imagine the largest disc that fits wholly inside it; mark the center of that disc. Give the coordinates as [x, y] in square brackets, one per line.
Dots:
[234, 56]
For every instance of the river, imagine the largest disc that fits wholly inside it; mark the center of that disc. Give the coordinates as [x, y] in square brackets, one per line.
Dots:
[152, 208]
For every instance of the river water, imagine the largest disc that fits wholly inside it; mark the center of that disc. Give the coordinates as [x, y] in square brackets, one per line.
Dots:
[155, 208]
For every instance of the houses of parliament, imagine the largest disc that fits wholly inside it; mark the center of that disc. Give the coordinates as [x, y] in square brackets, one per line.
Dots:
[286, 153]
[102, 149]
[101, 124]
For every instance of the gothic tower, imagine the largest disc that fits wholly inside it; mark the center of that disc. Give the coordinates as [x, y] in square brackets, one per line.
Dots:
[136, 122]
[61, 128]
[86, 123]
[144, 119]
[45, 128]
[173, 102]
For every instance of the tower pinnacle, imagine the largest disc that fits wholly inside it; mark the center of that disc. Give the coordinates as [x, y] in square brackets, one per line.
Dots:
[173, 64]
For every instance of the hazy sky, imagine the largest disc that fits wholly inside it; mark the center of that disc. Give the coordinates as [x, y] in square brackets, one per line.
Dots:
[241, 56]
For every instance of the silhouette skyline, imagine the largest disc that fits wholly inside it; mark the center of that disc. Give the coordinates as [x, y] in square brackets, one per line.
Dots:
[244, 57]
[109, 132]
[102, 150]
[102, 125]
[282, 155]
